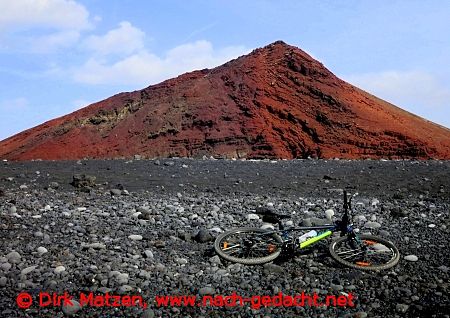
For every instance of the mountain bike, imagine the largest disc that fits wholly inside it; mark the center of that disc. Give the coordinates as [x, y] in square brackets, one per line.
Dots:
[253, 246]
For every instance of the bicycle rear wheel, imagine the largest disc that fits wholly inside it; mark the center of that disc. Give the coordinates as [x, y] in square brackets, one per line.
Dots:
[365, 252]
[249, 246]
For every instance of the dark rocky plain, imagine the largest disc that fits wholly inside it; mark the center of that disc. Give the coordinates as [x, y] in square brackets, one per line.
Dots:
[146, 227]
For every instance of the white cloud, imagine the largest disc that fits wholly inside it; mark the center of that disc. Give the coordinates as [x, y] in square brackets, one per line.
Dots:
[145, 68]
[126, 39]
[41, 26]
[404, 88]
[15, 104]
[48, 43]
[60, 14]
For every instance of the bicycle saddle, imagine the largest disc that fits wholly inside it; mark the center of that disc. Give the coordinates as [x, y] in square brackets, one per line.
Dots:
[270, 216]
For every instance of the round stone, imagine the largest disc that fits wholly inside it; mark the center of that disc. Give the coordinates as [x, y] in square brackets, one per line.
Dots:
[252, 217]
[42, 250]
[148, 254]
[149, 313]
[372, 225]
[13, 257]
[206, 291]
[181, 261]
[329, 214]
[59, 269]
[401, 308]
[267, 226]
[203, 236]
[411, 258]
[135, 237]
[71, 308]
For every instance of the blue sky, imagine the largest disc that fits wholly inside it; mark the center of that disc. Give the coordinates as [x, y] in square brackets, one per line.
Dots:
[59, 55]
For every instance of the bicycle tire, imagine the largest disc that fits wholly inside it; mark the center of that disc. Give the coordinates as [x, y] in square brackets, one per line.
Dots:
[365, 265]
[220, 240]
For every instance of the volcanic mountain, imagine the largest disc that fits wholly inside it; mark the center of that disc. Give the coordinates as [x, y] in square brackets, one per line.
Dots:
[276, 102]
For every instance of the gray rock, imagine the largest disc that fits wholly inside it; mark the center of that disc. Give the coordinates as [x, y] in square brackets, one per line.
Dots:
[71, 309]
[135, 237]
[267, 226]
[144, 210]
[398, 212]
[59, 269]
[148, 254]
[54, 185]
[314, 221]
[252, 217]
[83, 181]
[124, 289]
[270, 268]
[96, 246]
[160, 244]
[306, 222]
[411, 258]
[372, 225]
[181, 261]
[203, 236]
[289, 223]
[13, 257]
[415, 298]
[443, 268]
[337, 287]
[401, 308]
[115, 192]
[149, 313]
[215, 260]
[6, 266]
[27, 270]
[122, 278]
[207, 291]
[3, 281]
[42, 250]
[329, 214]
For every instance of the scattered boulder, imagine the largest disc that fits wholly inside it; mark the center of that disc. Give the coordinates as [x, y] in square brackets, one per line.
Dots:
[83, 181]
[203, 236]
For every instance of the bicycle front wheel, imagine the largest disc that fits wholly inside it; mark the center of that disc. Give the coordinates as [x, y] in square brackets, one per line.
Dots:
[365, 252]
[249, 246]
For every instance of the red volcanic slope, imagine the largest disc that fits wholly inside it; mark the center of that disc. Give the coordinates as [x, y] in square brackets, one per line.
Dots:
[276, 102]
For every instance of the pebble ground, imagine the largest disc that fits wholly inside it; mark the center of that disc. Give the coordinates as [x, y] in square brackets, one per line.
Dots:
[146, 227]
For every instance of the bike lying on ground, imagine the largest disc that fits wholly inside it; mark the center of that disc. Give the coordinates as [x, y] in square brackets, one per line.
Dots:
[252, 246]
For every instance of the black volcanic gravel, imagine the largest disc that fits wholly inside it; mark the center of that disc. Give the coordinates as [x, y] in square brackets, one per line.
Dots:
[146, 227]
